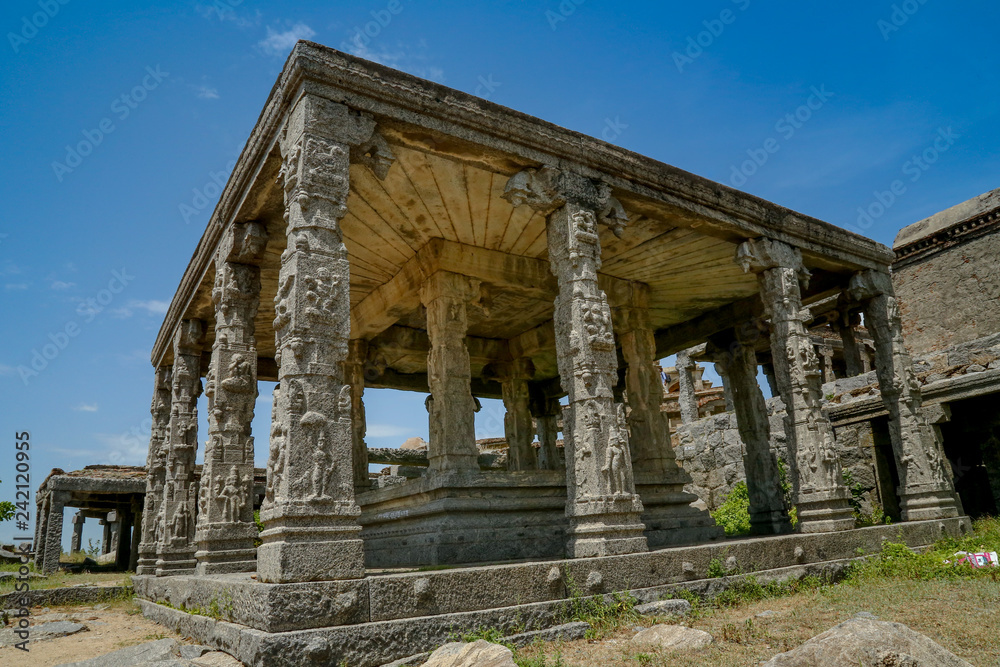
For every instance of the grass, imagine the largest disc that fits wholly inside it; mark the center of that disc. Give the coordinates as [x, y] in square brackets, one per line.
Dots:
[953, 605]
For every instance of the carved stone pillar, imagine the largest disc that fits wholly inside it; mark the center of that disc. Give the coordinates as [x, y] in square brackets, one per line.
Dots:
[768, 514]
[225, 528]
[156, 466]
[517, 422]
[176, 545]
[52, 546]
[926, 490]
[311, 532]
[688, 399]
[822, 497]
[844, 326]
[602, 504]
[354, 376]
[722, 368]
[452, 446]
[826, 352]
[545, 411]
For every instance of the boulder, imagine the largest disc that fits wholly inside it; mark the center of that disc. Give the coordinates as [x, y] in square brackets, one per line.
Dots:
[673, 637]
[162, 649]
[664, 608]
[866, 642]
[480, 653]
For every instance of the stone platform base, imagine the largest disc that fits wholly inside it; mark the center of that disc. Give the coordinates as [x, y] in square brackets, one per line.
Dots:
[371, 621]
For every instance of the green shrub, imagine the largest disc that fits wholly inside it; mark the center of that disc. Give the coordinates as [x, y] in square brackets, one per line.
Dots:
[734, 513]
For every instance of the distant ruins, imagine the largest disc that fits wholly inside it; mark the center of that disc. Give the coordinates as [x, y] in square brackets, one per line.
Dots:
[380, 230]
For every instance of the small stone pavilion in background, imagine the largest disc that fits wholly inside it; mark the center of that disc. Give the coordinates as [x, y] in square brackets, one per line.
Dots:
[384, 231]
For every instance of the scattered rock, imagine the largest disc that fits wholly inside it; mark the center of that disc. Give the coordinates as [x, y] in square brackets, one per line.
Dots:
[41, 632]
[673, 637]
[869, 643]
[162, 649]
[664, 608]
[975, 368]
[480, 653]
[192, 651]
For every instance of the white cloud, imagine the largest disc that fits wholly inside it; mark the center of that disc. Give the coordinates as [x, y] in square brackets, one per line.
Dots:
[224, 11]
[151, 306]
[16, 286]
[280, 43]
[207, 92]
[60, 284]
[86, 407]
[387, 431]
[121, 448]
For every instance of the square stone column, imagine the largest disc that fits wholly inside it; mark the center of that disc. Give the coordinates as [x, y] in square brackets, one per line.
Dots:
[603, 508]
[768, 513]
[844, 325]
[519, 427]
[74, 544]
[354, 376]
[822, 497]
[452, 447]
[52, 546]
[687, 399]
[138, 517]
[156, 471]
[176, 544]
[826, 353]
[311, 531]
[722, 369]
[926, 489]
[225, 530]
[545, 412]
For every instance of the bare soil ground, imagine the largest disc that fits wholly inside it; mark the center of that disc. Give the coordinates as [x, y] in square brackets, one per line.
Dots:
[963, 616]
[118, 625]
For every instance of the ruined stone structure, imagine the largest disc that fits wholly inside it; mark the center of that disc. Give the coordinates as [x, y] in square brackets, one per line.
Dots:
[417, 238]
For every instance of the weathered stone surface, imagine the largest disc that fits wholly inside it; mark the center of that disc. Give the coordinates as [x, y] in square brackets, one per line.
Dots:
[868, 643]
[42, 631]
[664, 608]
[673, 638]
[479, 653]
[216, 659]
[159, 650]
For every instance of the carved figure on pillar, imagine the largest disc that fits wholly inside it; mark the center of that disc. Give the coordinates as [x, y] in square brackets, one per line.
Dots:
[176, 549]
[926, 488]
[822, 497]
[224, 534]
[603, 507]
[311, 531]
[157, 470]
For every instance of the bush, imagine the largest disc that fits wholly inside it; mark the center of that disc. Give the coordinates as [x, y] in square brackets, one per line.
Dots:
[734, 514]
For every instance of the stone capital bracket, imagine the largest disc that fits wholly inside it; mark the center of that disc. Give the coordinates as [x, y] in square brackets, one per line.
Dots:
[190, 336]
[522, 368]
[548, 188]
[452, 285]
[244, 243]
[866, 285]
[763, 254]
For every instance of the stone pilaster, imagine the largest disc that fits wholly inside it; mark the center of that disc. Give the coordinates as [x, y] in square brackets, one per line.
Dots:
[822, 497]
[77, 538]
[53, 531]
[452, 446]
[768, 514]
[602, 504]
[722, 368]
[926, 490]
[176, 544]
[354, 376]
[845, 326]
[687, 399]
[156, 467]
[311, 532]
[517, 422]
[225, 529]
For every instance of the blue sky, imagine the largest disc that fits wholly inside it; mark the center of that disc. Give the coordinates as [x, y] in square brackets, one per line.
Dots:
[821, 107]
